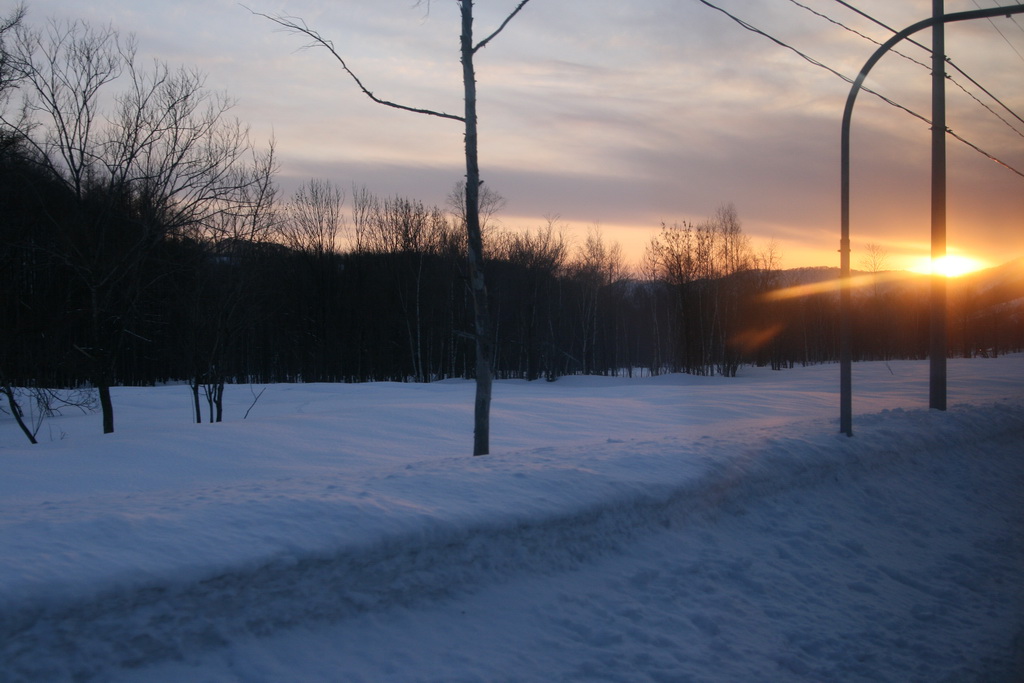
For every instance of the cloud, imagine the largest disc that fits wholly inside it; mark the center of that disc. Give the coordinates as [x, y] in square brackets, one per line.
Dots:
[616, 113]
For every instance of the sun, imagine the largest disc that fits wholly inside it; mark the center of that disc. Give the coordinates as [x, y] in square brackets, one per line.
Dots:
[950, 265]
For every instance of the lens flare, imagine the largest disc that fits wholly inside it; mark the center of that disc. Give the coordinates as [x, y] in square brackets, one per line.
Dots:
[854, 282]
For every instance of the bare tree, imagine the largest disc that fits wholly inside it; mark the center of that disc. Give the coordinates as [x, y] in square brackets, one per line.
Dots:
[533, 263]
[15, 409]
[875, 258]
[313, 222]
[224, 287]
[30, 406]
[483, 333]
[877, 307]
[705, 266]
[408, 241]
[597, 267]
[162, 161]
[10, 71]
[65, 70]
[491, 202]
[9, 75]
[390, 225]
[734, 246]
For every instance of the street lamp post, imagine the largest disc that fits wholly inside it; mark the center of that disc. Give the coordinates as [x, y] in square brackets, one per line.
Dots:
[937, 377]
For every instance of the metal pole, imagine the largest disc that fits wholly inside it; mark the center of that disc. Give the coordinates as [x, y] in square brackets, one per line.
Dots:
[845, 295]
[937, 346]
[845, 353]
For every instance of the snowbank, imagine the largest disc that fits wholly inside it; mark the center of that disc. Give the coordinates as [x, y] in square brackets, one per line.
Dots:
[171, 546]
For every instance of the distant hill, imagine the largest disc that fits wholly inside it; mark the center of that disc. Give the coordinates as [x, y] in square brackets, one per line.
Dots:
[994, 286]
[988, 287]
[891, 309]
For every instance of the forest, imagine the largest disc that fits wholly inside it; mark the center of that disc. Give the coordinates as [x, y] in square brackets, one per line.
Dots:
[144, 240]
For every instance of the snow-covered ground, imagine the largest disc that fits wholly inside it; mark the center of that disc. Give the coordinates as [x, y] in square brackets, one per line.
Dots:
[673, 528]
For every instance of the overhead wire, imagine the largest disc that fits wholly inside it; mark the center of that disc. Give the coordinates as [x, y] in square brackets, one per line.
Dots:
[948, 61]
[880, 23]
[856, 32]
[1016, 21]
[887, 100]
[1001, 34]
[928, 67]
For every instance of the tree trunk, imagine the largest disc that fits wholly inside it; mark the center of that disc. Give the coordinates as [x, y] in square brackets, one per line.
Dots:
[218, 400]
[195, 400]
[8, 391]
[475, 252]
[106, 405]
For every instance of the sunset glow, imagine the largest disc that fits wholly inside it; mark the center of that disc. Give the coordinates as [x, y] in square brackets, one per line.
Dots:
[951, 265]
[638, 115]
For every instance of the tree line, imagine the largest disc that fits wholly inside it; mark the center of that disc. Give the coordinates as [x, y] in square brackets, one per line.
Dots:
[144, 240]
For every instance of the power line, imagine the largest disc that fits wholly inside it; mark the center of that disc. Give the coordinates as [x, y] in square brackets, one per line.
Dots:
[993, 111]
[1014, 18]
[812, 60]
[984, 90]
[948, 60]
[856, 32]
[880, 23]
[1001, 34]
[1015, 21]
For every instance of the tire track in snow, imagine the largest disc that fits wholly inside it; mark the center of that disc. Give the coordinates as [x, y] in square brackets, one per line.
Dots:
[139, 625]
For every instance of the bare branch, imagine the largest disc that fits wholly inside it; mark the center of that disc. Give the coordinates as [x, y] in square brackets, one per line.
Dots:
[501, 28]
[297, 25]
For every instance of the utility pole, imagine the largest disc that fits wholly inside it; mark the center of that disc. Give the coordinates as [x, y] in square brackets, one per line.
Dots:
[937, 345]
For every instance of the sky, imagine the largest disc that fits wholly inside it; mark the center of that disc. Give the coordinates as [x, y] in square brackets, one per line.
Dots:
[623, 116]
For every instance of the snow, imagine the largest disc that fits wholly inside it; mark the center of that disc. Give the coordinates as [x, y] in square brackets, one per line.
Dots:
[672, 528]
